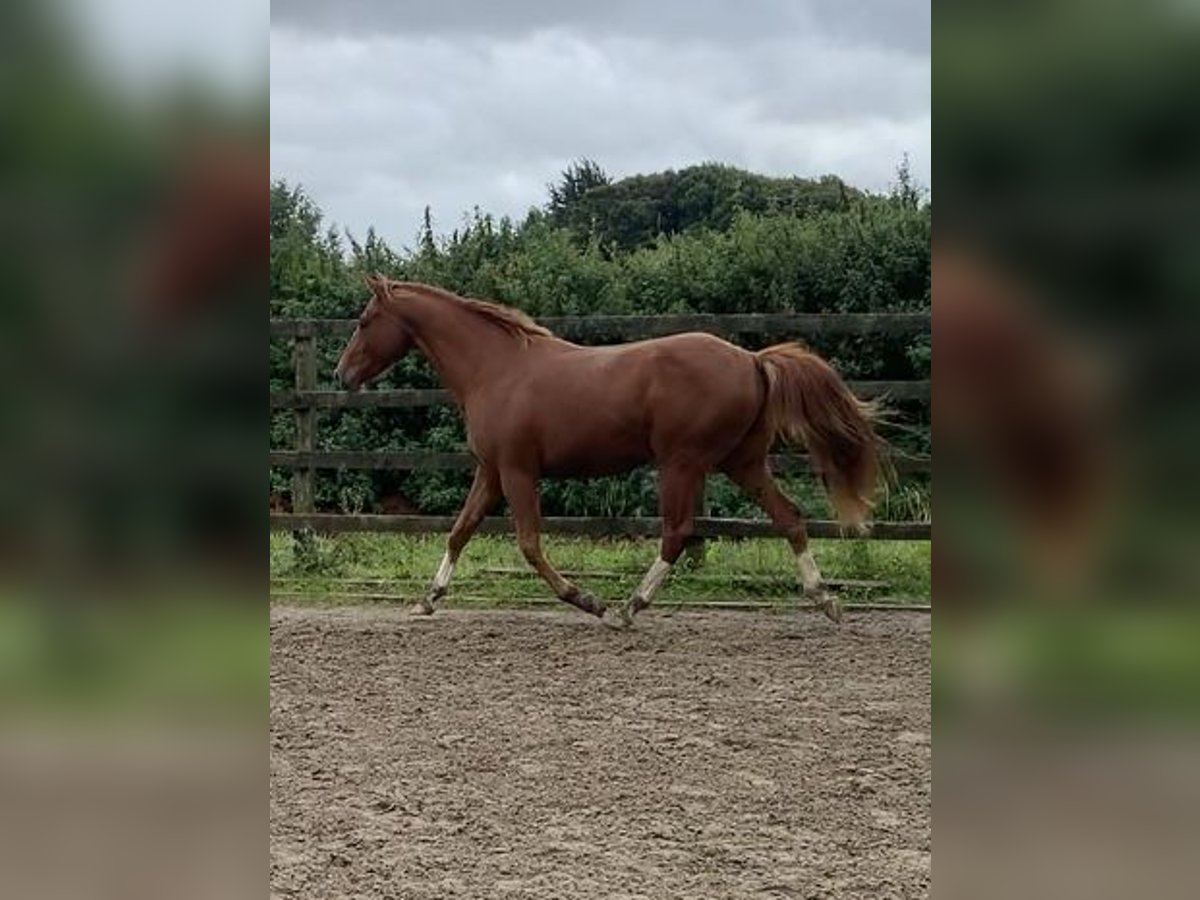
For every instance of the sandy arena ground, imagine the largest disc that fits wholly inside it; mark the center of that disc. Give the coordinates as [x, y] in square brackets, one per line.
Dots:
[539, 754]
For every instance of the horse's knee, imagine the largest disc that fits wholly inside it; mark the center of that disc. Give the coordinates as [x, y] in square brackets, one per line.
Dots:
[673, 541]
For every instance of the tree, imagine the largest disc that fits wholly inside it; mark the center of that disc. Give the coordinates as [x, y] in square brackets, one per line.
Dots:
[578, 179]
[636, 211]
[906, 190]
[427, 244]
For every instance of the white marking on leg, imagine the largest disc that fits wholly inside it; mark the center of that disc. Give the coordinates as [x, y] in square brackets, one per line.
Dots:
[442, 579]
[654, 579]
[810, 575]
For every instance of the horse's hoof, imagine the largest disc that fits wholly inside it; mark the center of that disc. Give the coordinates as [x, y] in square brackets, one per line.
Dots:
[423, 608]
[618, 618]
[590, 604]
[832, 607]
[826, 602]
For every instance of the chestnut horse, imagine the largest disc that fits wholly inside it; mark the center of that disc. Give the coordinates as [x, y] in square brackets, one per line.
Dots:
[691, 404]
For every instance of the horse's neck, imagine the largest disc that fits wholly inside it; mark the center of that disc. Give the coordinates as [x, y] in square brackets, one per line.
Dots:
[464, 348]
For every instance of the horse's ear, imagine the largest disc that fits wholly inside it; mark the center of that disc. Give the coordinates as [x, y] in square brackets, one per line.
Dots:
[377, 283]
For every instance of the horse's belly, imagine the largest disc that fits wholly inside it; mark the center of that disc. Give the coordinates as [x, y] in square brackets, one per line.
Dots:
[591, 465]
[570, 448]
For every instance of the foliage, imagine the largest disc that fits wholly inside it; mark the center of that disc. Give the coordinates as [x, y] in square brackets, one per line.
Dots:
[635, 212]
[708, 238]
[493, 572]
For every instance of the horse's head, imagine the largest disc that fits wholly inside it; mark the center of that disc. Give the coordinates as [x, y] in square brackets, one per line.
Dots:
[379, 340]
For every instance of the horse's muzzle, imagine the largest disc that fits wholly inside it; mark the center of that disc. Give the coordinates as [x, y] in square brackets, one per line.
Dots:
[347, 379]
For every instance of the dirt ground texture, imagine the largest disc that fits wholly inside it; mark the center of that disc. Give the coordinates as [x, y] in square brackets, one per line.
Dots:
[539, 754]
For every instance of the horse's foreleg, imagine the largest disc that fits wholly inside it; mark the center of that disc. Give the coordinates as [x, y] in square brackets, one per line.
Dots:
[756, 480]
[485, 491]
[520, 489]
[678, 487]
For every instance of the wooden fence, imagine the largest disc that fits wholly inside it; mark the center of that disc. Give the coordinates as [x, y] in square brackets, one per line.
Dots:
[304, 400]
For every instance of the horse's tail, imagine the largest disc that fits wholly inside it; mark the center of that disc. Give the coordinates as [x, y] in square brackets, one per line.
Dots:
[807, 401]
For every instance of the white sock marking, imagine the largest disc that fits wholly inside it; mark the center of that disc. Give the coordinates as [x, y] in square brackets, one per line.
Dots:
[654, 579]
[445, 570]
[810, 575]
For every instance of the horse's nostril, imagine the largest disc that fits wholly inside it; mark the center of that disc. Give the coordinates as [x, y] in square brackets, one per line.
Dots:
[346, 377]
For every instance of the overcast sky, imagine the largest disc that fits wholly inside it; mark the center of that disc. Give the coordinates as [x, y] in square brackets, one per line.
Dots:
[379, 107]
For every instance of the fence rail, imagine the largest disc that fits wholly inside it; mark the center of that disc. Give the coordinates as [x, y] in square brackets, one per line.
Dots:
[408, 398]
[592, 526]
[428, 460]
[304, 400]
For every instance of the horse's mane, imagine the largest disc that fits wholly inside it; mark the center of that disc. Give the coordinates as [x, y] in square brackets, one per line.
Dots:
[515, 322]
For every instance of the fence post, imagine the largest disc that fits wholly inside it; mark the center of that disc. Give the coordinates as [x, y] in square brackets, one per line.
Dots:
[305, 357]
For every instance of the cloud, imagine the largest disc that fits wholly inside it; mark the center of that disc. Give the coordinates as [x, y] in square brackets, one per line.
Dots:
[895, 23]
[378, 114]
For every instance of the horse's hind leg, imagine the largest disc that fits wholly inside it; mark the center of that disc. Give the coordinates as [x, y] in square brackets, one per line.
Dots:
[678, 487]
[485, 491]
[520, 489]
[756, 480]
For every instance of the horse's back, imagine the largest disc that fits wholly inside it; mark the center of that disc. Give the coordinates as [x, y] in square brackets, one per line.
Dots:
[682, 367]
